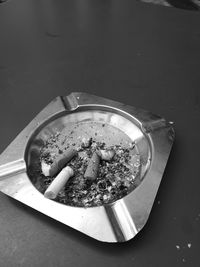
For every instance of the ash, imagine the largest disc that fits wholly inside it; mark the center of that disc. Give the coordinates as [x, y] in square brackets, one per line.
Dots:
[116, 178]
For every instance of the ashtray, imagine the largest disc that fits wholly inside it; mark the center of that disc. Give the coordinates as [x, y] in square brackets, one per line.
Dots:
[112, 206]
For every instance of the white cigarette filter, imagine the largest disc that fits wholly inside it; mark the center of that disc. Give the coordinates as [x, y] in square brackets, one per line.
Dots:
[58, 183]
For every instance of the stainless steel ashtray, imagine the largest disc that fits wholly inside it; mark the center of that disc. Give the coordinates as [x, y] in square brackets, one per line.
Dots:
[114, 221]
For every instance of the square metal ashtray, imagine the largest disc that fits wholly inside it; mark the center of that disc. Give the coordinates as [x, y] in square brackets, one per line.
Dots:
[117, 221]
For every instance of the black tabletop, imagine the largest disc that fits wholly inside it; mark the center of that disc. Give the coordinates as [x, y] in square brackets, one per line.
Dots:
[140, 54]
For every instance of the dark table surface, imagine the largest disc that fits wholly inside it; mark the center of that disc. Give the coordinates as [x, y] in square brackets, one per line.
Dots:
[140, 54]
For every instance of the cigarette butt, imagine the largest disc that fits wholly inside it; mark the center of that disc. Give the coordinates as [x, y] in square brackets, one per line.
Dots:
[58, 183]
[106, 154]
[61, 161]
[92, 168]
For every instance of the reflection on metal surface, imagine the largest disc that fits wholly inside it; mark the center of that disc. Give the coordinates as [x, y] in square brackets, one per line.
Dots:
[121, 221]
[115, 222]
[184, 4]
[13, 167]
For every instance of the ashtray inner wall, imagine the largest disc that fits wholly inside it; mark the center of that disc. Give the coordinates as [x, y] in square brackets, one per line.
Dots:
[105, 126]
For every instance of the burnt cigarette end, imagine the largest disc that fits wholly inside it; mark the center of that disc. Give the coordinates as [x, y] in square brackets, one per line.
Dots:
[106, 154]
[62, 160]
[86, 142]
[93, 167]
[45, 168]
